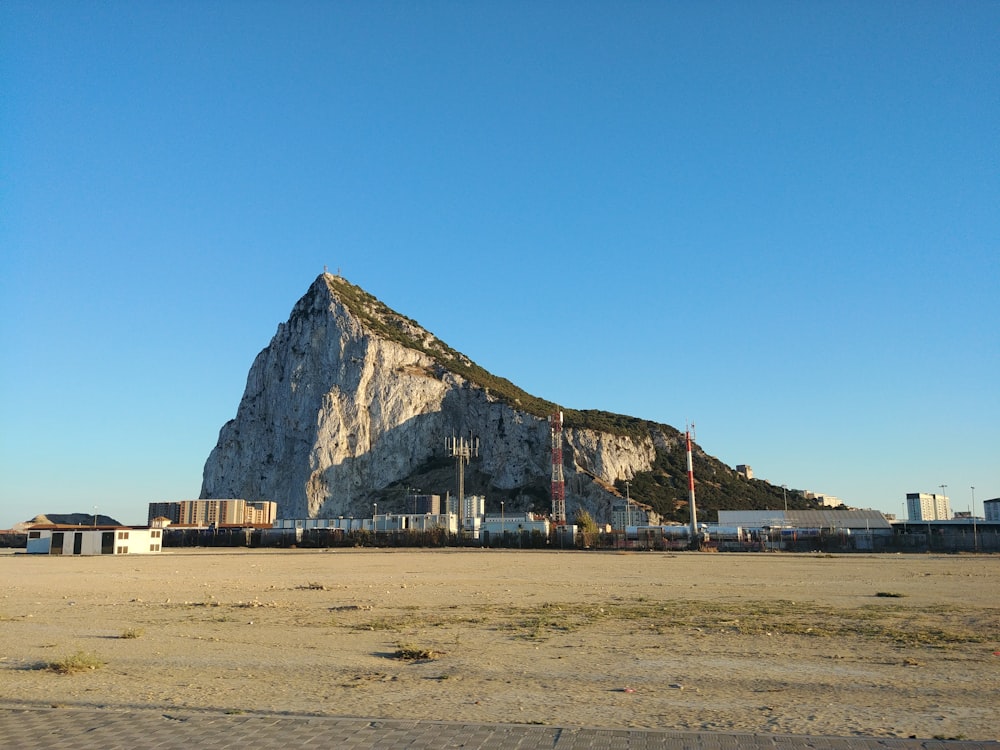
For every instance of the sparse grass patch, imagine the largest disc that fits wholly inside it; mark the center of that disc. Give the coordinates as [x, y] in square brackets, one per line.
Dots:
[537, 623]
[312, 586]
[926, 626]
[380, 623]
[81, 661]
[409, 652]
[130, 633]
[890, 594]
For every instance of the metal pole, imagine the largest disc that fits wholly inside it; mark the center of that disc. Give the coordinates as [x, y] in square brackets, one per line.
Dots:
[693, 508]
[975, 541]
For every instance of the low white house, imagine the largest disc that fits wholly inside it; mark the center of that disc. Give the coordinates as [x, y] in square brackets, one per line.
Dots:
[83, 541]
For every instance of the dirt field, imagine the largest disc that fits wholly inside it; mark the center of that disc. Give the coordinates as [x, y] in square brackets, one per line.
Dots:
[874, 645]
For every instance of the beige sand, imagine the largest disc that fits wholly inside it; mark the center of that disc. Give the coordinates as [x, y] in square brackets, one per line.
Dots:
[762, 642]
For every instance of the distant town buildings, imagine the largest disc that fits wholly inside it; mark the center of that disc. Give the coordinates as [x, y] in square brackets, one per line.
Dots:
[924, 506]
[827, 501]
[745, 471]
[231, 512]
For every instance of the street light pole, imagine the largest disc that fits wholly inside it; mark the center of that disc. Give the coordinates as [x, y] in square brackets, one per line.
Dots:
[501, 522]
[374, 517]
[975, 539]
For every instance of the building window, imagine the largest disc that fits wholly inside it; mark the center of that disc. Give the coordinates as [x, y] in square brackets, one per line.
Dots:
[34, 535]
[122, 550]
[123, 535]
[154, 548]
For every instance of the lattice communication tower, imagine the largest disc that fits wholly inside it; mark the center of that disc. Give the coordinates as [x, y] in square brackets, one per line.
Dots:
[462, 451]
[558, 483]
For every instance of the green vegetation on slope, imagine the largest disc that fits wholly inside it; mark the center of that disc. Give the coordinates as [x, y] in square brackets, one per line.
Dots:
[717, 487]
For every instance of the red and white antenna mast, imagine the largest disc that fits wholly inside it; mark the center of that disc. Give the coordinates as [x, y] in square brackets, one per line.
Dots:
[695, 539]
[558, 483]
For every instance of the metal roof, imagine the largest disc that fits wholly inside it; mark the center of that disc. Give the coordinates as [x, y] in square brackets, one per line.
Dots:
[805, 519]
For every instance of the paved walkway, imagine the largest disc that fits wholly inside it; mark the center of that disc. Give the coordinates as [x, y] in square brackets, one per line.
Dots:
[38, 728]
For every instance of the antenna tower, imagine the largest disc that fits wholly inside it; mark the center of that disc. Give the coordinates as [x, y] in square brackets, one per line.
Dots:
[558, 483]
[462, 451]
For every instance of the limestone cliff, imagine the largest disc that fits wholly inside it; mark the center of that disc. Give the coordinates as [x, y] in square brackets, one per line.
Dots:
[351, 403]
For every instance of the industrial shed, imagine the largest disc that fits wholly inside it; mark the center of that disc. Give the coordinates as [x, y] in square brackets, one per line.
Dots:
[804, 530]
[835, 520]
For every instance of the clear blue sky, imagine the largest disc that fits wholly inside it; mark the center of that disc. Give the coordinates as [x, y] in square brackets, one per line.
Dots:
[778, 220]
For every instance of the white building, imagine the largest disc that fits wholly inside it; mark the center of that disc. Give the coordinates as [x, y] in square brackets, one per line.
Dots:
[516, 523]
[924, 506]
[473, 506]
[625, 513]
[117, 541]
[991, 509]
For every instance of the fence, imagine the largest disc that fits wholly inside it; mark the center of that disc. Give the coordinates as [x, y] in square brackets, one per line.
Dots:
[914, 539]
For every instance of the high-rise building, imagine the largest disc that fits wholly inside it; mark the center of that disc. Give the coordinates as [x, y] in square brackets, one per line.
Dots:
[925, 506]
[423, 504]
[474, 506]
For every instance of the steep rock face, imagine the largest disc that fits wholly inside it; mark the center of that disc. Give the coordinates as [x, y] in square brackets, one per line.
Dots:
[350, 398]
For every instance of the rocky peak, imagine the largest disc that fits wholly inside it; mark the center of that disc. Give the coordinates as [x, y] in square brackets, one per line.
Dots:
[351, 402]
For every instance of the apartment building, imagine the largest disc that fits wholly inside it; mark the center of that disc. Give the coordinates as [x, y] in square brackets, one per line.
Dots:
[926, 506]
[228, 512]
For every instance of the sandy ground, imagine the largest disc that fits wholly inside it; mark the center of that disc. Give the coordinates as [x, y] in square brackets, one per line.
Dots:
[760, 642]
